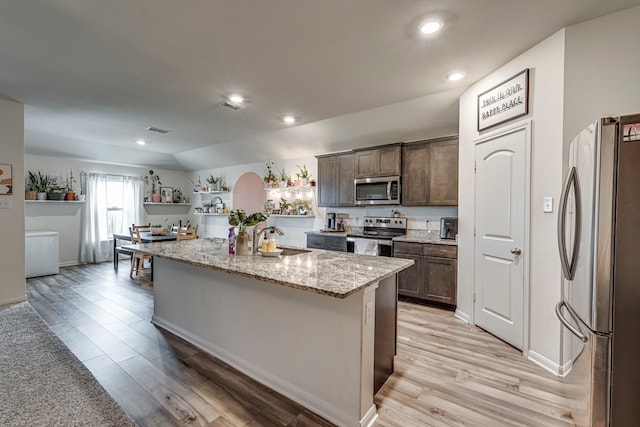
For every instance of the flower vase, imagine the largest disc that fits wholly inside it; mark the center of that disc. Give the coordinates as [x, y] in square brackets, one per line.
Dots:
[242, 243]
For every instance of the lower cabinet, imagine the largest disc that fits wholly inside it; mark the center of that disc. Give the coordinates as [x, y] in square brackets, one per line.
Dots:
[330, 243]
[433, 277]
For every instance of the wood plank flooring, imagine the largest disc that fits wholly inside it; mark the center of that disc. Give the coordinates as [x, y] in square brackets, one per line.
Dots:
[447, 373]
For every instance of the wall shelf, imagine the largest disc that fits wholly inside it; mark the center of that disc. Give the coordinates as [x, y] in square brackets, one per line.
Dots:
[54, 201]
[210, 214]
[291, 216]
[166, 204]
[210, 192]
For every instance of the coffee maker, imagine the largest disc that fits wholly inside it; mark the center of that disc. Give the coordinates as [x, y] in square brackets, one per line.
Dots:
[448, 228]
[330, 221]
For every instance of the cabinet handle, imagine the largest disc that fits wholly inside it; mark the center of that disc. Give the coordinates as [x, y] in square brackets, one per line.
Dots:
[516, 251]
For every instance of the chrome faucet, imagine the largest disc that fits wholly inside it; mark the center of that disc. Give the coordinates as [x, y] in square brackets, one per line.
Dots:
[258, 233]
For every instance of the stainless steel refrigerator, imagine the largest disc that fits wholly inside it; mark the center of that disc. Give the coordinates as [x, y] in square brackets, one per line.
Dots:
[599, 241]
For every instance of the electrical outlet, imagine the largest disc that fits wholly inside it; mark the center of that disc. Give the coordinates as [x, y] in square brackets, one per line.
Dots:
[547, 205]
[5, 203]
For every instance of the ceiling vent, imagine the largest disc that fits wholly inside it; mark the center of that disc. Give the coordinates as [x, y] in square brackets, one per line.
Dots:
[155, 129]
[232, 105]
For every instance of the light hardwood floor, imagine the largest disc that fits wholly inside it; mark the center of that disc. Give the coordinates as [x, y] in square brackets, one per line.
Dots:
[446, 372]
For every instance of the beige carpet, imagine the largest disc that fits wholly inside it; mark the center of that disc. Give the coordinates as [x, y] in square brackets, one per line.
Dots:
[42, 383]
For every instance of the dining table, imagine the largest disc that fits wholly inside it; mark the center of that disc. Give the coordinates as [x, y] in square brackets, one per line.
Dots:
[145, 236]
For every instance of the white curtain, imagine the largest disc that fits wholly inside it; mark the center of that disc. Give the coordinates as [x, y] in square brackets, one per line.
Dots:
[132, 212]
[94, 237]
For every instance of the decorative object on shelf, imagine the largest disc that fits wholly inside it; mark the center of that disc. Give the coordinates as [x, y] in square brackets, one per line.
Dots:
[153, 179]
[56, 191]
[270, 179]
[178, 197]
[166, 194]
[214, 183]
[285, 206]
[284, 179]
[40, 183]
[239, 218]
[269, 205]
[303, 175]
[156, 229]
[6, 180]
[196, 186]
[71, 194]
[301, 207]
[312, 183]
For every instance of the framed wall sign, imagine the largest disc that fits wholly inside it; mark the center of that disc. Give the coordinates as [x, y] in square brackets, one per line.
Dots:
[504, 102]
[6, 181]
[167, 194]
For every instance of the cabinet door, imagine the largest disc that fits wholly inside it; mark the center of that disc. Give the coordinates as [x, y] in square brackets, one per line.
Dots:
[444, 174]
[440, 274]
[346, 175]
[389, 161]
[327, 180]
[367, 163]
[416, 163]
[411, 280]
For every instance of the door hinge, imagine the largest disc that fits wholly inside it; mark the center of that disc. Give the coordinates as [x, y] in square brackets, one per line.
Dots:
[474, 231]
[474, 297]
[475, 166]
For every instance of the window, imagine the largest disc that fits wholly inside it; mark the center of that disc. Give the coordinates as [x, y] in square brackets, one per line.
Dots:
[115, 205]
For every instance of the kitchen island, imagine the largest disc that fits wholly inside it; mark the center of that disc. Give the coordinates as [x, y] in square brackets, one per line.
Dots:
[308, 325]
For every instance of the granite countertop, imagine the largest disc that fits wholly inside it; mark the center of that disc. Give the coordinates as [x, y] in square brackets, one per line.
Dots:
[336, 274]
[421, 236]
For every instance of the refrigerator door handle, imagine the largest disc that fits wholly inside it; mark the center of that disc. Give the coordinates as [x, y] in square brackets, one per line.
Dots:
[568, 267]
[575, 331]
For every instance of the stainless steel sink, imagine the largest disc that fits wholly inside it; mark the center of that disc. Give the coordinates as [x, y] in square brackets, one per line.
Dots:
[293, 251]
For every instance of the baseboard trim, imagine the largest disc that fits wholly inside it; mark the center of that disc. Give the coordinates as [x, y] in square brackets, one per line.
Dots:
[462, 316]
[547, 364]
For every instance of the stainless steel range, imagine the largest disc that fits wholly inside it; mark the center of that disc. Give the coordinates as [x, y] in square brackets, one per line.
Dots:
[376, 236]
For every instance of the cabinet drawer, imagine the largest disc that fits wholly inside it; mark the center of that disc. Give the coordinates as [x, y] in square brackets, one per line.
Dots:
[407, 248]
[336, 242]
[442, 251]
[315, 240]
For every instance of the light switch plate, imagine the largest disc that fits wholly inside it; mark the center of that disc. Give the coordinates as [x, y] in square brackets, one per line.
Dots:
[5, 203]
[547, 205]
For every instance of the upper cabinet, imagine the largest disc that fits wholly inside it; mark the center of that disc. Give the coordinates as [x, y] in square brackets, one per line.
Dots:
[336, 173]
[430, 172]
[378, 161]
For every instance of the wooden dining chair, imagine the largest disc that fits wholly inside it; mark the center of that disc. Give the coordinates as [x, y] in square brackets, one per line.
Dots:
[190, 234]
[143, 227]
[138, 259]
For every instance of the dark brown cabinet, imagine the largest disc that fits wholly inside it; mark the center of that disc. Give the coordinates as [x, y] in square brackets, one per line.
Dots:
[433, 277]
[378, 161]
[430, 172]
[327, 242]
[335, 180]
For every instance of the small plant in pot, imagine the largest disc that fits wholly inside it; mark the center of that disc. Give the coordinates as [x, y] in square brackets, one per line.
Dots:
[303, 175]
[239, 218]
[41, 183]
[270, 179]
[153, 179]
[71, 194]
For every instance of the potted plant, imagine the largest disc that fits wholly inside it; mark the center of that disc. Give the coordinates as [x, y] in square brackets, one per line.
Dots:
[301, 207]
[239, 218]
[153, 179]
[56, 191]
[285, 206]
[177, 195]
[214, 183]
[71, 195]
[303, 175]
[284, 179]
[40, 183]
[156, 229]
[270, 179]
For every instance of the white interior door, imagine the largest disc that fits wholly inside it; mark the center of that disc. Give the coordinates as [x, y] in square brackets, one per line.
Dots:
[500, 235]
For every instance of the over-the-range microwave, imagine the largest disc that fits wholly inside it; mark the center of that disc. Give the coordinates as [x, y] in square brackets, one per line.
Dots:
[377, 191]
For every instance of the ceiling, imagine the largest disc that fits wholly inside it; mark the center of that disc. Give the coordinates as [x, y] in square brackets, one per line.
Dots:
[93, 74]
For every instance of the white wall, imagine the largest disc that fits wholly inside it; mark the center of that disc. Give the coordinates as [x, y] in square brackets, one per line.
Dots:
[12, 278]
[602, 70]
[65, 218]
[546, 64]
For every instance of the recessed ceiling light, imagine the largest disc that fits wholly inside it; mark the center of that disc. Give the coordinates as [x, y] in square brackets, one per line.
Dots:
[235, 98]
[289, 119]
[454, 77]
[431, 27]
[141, 142]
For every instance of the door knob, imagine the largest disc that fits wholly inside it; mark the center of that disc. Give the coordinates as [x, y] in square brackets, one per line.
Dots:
[516, 251]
